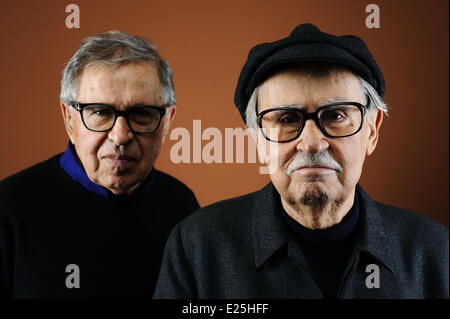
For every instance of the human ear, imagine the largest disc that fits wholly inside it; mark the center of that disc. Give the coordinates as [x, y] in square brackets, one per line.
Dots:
[173, 111]
[375, 119]
[67, 114]
[170, 117]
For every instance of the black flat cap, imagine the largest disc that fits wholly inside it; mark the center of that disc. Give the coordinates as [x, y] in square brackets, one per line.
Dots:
[306, 44]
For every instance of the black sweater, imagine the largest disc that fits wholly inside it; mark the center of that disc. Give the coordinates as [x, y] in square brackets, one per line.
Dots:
[328, 251]
[48, 221]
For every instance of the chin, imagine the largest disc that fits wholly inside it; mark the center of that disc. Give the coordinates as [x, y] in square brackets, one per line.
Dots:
[120, 185]
[311, 186]
[308, 193]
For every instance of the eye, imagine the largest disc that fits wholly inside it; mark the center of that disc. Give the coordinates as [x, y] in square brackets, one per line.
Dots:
[289, 117]
[144, 116]
[281, 118]
[332, 115]
[141, 113]
[98, 111]
[288, 120]
[102, 112]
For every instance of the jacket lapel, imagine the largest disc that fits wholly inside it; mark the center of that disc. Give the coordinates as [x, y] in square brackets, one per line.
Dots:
[371, 271]
[269, 232]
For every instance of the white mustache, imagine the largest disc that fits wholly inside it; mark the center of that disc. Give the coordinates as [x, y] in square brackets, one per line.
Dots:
[303, 159]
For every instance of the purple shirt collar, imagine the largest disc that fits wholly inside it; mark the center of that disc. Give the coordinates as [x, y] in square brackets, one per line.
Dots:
[71, 166]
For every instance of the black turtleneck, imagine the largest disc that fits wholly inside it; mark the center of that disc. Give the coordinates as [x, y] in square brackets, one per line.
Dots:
[327, 251]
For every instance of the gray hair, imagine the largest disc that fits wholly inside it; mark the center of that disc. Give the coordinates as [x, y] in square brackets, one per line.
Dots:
[374, 102]
[114, 48]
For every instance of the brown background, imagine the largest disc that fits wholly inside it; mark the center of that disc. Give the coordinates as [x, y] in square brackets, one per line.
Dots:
[206, 43]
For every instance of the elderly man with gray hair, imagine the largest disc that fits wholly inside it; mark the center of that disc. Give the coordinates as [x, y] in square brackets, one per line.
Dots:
[92, 222]
[312, 232]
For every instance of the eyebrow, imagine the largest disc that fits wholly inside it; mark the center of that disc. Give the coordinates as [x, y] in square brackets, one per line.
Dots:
[138, 105]
[333, 100]
[324, 103]
[135, 105]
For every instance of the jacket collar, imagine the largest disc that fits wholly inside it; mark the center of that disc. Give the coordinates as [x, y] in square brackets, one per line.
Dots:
[270, 232]
[372, 237]
[268, 228]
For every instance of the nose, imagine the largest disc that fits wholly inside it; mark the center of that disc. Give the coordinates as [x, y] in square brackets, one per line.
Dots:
[312, 140]
[120, 134]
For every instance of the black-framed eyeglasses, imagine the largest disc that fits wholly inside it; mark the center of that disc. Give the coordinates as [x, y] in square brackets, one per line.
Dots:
[141, 119]
[285, 124]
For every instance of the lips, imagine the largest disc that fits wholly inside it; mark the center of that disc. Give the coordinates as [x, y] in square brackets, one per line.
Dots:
[119, 159]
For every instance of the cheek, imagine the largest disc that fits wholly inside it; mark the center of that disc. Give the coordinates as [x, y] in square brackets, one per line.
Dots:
[279, 154]
[150, 147]
[351, 157]
[93, 144]
[88, 145]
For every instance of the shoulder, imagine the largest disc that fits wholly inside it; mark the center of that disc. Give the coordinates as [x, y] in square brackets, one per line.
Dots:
[226, 216]
[223, 227]
[410, 226]
[420, 246]
[168, 185]
[166, 181]
[21, 190]
[174, 195]
[414, 227]
[30, 177]
[419, 242]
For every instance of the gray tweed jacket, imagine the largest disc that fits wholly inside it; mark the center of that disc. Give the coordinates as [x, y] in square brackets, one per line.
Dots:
[241, 248]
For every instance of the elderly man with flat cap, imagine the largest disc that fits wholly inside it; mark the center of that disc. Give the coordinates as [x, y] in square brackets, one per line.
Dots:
[312, 232]
[92, 222]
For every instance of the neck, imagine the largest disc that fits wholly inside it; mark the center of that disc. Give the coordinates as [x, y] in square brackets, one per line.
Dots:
[325, 216]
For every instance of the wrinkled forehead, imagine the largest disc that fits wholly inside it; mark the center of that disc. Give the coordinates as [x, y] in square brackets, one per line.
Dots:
[137, 72]
[309, 88]
[121, 84]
